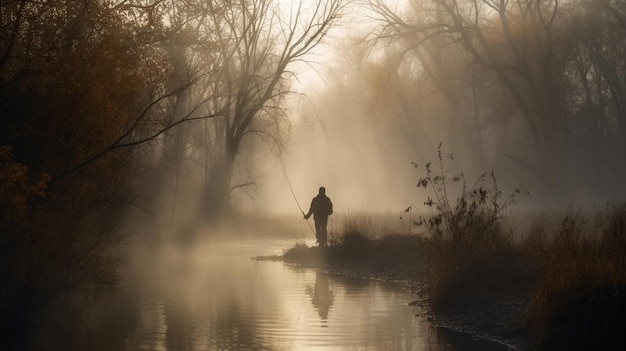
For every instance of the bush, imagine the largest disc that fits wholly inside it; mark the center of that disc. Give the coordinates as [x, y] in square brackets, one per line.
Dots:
[472, 223]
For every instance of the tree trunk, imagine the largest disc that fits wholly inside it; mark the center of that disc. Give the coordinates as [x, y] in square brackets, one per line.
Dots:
[216, 201]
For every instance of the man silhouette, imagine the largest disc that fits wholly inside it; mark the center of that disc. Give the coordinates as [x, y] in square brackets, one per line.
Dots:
[321, 208]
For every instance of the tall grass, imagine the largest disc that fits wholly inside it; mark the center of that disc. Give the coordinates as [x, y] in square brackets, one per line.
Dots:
[583, 281]
[356, 226]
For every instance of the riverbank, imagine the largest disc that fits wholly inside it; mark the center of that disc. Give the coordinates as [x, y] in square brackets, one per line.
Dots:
[485, 300]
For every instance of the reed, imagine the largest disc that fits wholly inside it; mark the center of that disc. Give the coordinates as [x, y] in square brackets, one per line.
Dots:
[581, 293]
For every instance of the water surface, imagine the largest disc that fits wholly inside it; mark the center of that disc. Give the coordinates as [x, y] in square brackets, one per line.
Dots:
[215, 297]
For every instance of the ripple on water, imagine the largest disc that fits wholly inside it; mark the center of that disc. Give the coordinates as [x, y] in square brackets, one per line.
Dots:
[213, 297]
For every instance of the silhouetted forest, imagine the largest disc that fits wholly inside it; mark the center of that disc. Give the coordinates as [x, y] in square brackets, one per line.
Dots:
[535, 86]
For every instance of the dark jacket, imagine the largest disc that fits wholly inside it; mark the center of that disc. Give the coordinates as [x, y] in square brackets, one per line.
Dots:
[321, 207]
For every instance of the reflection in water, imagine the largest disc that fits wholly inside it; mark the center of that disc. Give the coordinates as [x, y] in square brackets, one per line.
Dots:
[233, 332]
[180, 329]
[214, 297]
[321, 295]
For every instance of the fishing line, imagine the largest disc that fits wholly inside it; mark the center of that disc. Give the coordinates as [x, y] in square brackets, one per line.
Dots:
[291, 187]
[284, 167]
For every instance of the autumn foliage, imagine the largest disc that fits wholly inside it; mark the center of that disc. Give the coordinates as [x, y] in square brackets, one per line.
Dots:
[76, 78]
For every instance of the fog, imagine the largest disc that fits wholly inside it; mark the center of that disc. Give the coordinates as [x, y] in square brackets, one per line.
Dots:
[373, 105]
[333, 140]
[131, 124]
[333, 145]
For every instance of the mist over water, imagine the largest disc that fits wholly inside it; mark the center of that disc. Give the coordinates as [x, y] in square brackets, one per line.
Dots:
[212, 296]
[128, 130]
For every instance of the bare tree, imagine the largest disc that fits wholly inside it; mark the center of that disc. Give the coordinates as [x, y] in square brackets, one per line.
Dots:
[517, 42]
[257, 43]
[595, 133]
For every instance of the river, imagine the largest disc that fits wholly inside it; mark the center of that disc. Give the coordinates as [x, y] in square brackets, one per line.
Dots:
[215, 297]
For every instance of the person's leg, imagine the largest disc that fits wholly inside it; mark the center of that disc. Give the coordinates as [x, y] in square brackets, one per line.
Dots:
[323, 237]
[318, 230]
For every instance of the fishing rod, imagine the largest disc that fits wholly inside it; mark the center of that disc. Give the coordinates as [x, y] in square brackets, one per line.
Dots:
[293, 193]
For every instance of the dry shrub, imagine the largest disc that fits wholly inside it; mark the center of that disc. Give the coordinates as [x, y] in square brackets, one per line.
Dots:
[463, 231]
